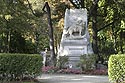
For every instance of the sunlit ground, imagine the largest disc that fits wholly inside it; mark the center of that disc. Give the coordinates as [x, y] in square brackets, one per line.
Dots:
[49, 78]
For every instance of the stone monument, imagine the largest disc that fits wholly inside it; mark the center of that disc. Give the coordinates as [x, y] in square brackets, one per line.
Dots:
[75, 38]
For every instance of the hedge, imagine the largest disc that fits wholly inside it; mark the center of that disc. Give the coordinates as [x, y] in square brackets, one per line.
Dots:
[17, 66]
[116, 68]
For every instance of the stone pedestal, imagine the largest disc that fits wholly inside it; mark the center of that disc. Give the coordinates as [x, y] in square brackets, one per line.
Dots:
[75, 38]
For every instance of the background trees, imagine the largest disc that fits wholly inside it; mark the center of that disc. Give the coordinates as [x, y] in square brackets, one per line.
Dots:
[20, 29]
[23, 30]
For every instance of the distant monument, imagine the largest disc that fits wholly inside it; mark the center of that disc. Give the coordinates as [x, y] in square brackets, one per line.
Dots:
[75, 38]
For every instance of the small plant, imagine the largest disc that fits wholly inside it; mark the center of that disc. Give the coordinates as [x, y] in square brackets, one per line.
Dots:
[62, 62]
[87, 61]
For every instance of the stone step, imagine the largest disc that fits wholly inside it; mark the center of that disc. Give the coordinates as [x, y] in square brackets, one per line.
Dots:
[75, 42]
[71, 59]
[74, 55]
[74, 58]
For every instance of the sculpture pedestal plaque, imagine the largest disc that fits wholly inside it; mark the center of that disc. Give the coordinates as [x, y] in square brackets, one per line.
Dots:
[75, 38]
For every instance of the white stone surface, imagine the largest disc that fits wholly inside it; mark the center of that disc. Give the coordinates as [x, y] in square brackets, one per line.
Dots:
[75, 38]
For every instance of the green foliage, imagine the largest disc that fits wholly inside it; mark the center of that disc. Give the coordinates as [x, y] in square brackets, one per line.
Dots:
[62, 61]
[30, 47]
[18, 25]
[22, 32]
[17, 66]
[87, 61]
[106, 46]
[17, 43]
[116, 68]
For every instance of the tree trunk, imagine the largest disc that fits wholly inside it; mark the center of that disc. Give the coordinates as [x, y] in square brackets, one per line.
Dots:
[121, 41]
[37, 41]
[8, 42]
[8, 37]
[114, 38]
[50, 34]
[94, 27]
[48, 11]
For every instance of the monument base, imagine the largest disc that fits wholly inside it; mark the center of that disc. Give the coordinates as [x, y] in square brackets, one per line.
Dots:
[75, 38]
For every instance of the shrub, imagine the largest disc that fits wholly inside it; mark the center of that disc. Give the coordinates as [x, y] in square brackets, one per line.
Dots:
[87, 61]
[16, 66]
[96, 72]
[116, 68]
[62, 62]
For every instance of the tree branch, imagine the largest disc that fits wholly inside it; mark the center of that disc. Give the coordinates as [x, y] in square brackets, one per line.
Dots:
[31, 8]
[44, 7]
[37, 14]
[82, 4]
[105, 26]
[95, 3]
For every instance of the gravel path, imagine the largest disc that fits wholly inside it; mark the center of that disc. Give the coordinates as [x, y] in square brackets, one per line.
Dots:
[71, 78]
